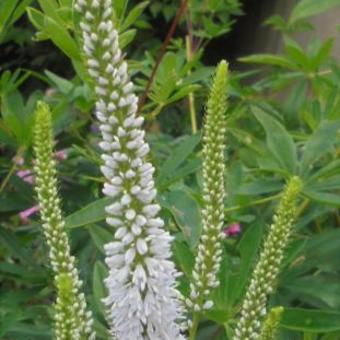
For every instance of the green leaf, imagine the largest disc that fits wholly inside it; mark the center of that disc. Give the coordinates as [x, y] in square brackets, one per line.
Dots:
[29, 331]
[322, 54]
[322, 250]
[61, 38]
[182, 92]
[311, 287]
[119, 7]
[7, 7]
[19, 10]
[268, 59]
[260, 186]
[327, 170]
[36, 17]
[92, 213]
[323, 197]
[13, 112]
[134, 15]
[319, 144]
[126, 38]
[66, 3]
[305, 320]
[100, 236]
[185, 211]
[8, 240]
[308, 8]
[218, 316]
[248, 248]
[98, 287]
[50, 9]
[279, 141]
[188, 168]
[12, 203]
[326, 184]
[181, 152]
[184, 256]
[65, 86]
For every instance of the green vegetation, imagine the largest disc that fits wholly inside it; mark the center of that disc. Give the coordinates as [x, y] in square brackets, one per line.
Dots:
[277, 151]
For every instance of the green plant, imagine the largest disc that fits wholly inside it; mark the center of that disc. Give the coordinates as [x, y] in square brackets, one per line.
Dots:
[282, 121]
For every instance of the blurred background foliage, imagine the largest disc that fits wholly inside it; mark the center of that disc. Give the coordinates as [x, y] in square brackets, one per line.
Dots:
[283, 119]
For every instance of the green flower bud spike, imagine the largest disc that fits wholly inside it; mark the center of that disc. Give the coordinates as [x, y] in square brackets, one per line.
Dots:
[264, 277]
[72, 321]
[207, 265]
[270, 325]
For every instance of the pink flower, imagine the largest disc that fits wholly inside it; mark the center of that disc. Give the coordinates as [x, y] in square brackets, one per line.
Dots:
[232, 230]
[26, 176]
[25, 214]
[60, 155]
[18, 160]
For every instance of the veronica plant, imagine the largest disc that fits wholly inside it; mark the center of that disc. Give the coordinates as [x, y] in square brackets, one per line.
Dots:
[209, 255]
[72, 321]
[264, 276]
[143, 300]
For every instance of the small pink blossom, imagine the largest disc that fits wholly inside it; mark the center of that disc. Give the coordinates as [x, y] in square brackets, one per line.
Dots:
[25, 214]
[60, 155]
[26, 176]
[18, 160]
[232, 230]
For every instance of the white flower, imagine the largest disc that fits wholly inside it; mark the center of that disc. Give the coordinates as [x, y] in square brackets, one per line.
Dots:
[143, 300]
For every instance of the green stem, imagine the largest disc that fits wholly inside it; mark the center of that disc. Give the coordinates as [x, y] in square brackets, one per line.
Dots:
[11, 171]
[194, 326]
[302, 207]
[191, 97]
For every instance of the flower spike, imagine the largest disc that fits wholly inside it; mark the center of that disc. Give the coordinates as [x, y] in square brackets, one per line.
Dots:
[265, 274]
[207, 264]
[210, 250]
[72, 321]
[143, 301]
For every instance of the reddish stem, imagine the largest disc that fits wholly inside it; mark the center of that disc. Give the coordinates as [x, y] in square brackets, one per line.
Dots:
[162, 51]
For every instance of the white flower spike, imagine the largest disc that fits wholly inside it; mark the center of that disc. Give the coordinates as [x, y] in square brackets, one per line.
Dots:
[143, 302]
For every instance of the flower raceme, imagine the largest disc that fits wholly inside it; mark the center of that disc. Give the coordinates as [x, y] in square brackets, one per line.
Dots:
[142, 301]
[207, 264]
[72, 321]
[210, 250]
[264, 277]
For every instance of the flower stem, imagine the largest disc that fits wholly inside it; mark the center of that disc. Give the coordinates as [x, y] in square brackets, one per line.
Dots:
[11, 171]
[191, 98]
[194, 326]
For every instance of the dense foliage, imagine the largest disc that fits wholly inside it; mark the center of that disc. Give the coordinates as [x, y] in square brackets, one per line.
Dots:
[282, 120]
